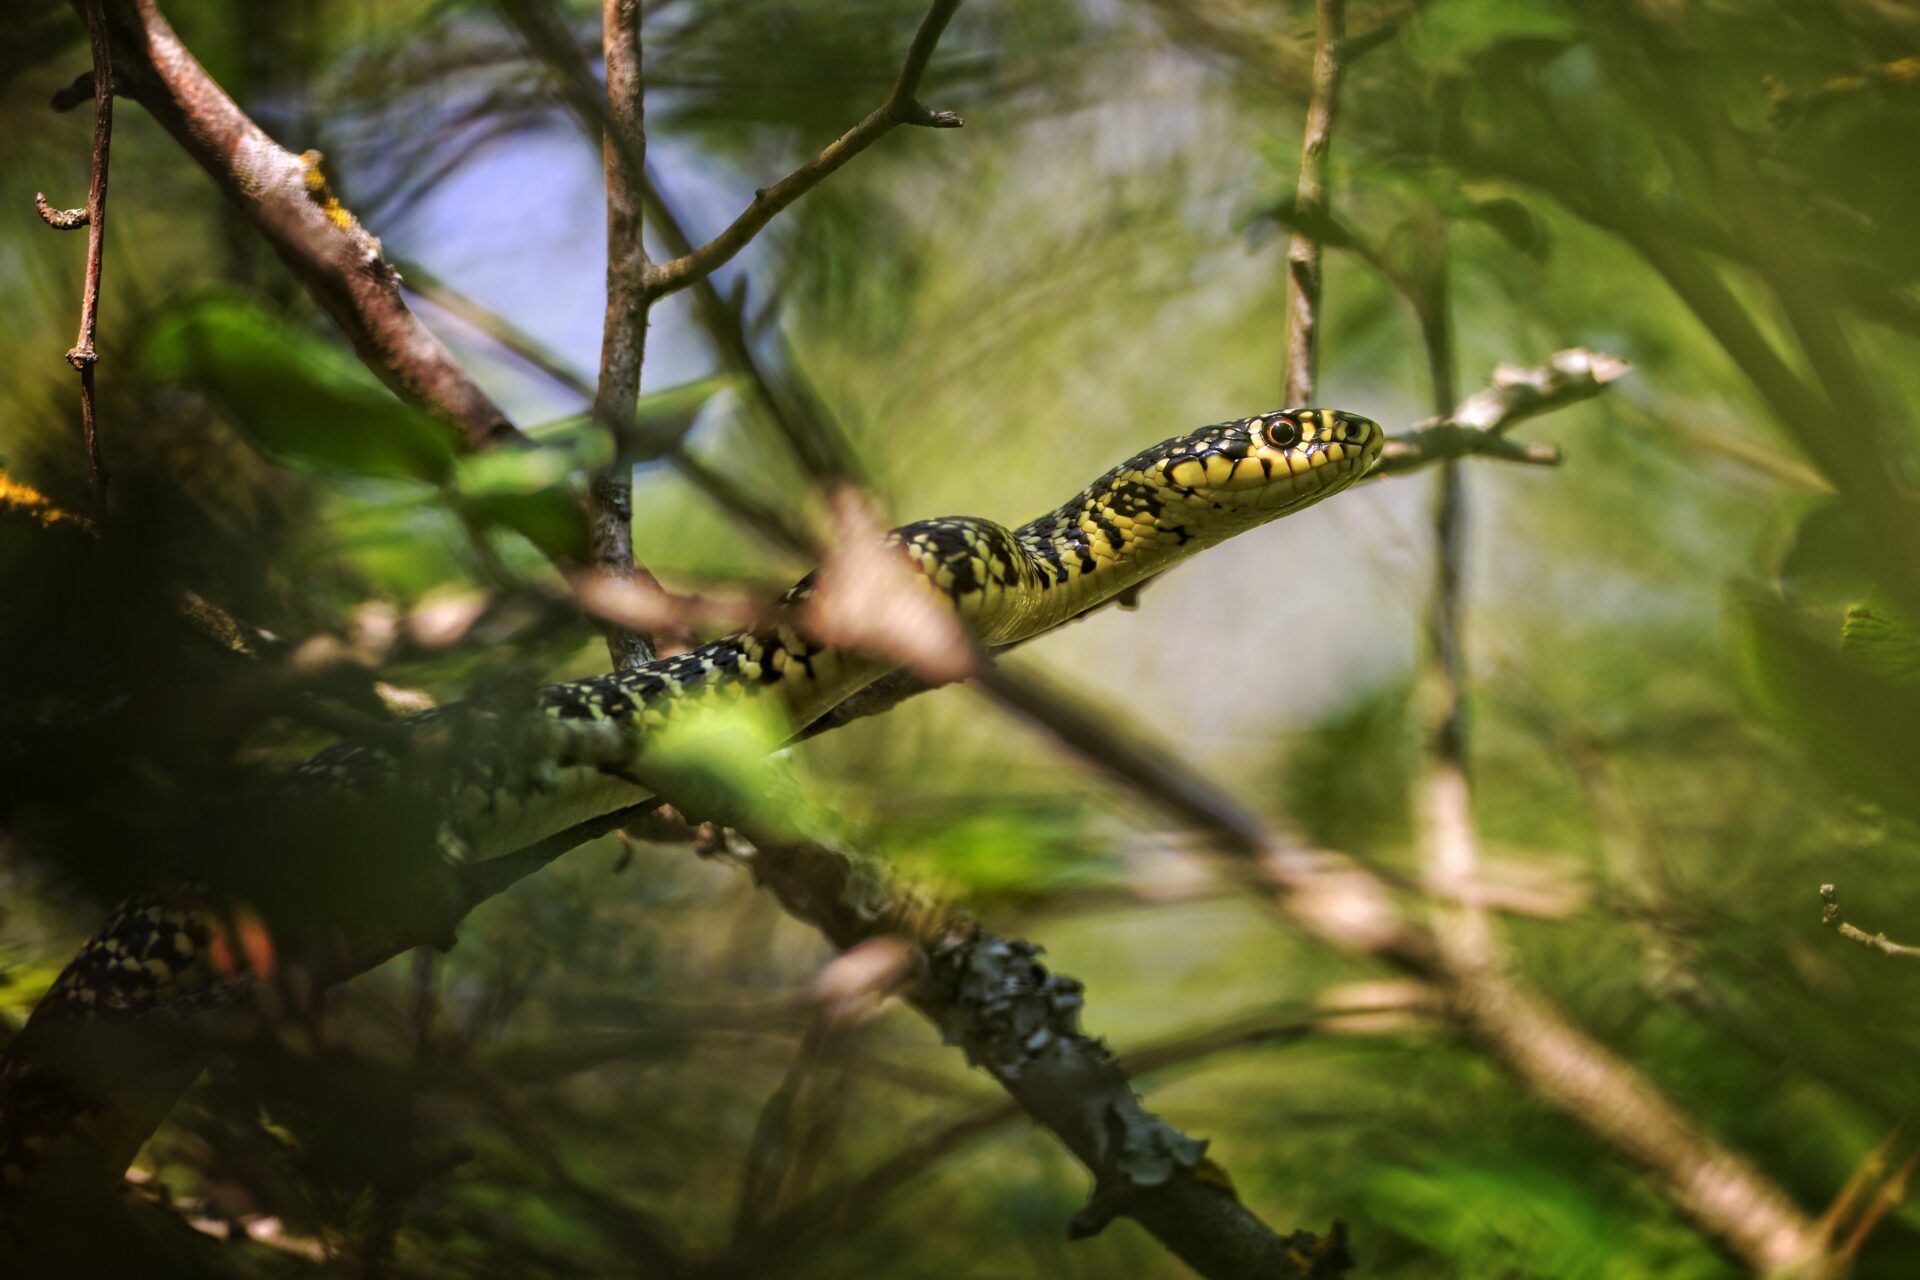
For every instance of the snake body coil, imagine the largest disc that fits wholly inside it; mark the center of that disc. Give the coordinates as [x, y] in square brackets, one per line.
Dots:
[1150, 512]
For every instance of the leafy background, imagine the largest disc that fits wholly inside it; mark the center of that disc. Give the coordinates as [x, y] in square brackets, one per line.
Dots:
[1667, 730]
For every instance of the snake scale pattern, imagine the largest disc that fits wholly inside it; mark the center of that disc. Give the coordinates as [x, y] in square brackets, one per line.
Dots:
[1140, 518]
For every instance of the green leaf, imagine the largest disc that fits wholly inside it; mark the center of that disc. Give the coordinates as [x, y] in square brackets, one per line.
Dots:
[294, 394]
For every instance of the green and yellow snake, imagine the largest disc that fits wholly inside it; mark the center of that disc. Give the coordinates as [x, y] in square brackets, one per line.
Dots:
[1145, 515]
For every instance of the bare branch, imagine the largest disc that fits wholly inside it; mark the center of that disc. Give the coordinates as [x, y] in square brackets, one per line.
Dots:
[623, 344]
[803, 422]
[1310, 196]
[84, 356]
[1478, 426]
[60, 219]
[1830, 916]
[901, 107]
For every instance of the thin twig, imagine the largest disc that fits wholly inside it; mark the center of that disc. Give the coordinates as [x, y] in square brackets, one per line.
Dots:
[901, 107]
[85, 355]
[1830, 916]
[623, 345]
[60, 219]
[770, 1151]
[1478, 427]
[1303, 250]
[769, 522]
[804, 423]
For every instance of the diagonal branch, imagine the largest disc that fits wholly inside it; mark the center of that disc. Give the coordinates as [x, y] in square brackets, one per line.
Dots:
[991, 997]
[336, 260]
[1353, 909]
[901, 107]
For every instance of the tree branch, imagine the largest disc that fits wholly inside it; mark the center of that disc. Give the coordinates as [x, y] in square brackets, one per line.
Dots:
[1830, 916]
[990, 996]
[769, 522]
[286, 197]
[623, 345]
[804, 423]
[1479, 425]
[1310, 197]
[84, 355]
[1352, 909]
[901, 107]
[802, 1226]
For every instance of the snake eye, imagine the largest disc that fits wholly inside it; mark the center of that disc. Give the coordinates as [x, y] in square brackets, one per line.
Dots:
[1283, 433]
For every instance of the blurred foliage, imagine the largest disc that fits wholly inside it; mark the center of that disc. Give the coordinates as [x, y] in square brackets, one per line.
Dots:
[1694, 677]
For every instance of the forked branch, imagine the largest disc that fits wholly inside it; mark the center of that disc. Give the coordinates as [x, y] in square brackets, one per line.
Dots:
[1479, 426]
[902, 106]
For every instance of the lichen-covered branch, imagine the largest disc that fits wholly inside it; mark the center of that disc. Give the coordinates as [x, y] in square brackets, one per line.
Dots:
[992, 998]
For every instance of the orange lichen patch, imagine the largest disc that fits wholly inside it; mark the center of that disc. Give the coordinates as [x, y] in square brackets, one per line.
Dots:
[321, 194]
[24, 500]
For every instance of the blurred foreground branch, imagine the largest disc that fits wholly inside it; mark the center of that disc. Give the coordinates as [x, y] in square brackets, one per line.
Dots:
[1352, 909]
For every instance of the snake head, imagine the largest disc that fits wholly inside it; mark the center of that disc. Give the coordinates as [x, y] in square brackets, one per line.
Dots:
[1275, 462]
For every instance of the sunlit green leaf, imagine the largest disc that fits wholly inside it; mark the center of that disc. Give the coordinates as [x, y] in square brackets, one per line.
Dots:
[295, 394]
